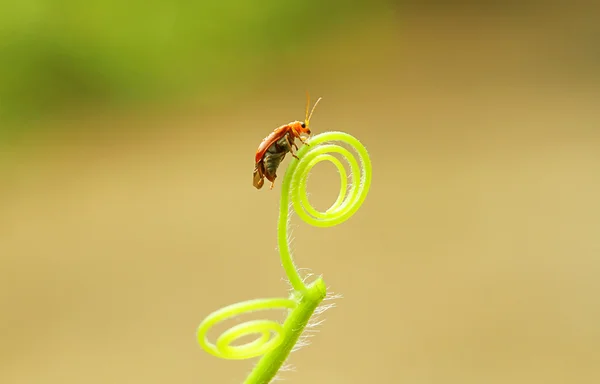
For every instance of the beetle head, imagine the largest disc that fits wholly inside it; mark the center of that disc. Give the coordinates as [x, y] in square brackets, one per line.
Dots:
[300, 128]
[305, 126]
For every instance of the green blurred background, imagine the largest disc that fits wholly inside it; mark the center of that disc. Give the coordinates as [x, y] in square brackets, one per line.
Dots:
[127, 214]
[58, 53]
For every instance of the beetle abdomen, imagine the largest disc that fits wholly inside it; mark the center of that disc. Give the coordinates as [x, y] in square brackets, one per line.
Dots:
[275, 155]
[271, 163]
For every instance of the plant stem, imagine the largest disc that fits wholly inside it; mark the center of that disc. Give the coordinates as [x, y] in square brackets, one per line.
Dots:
[276, 341]
[268, 366]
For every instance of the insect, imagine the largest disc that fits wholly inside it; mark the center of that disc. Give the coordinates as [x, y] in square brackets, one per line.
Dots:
[277, 144]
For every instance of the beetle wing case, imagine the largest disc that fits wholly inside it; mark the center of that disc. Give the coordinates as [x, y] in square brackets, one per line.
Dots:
[258, 178]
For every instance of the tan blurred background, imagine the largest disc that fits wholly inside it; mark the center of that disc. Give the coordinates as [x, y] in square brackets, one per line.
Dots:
[475, 258]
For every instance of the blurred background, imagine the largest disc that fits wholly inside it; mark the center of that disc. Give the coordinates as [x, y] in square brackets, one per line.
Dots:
[127, 213]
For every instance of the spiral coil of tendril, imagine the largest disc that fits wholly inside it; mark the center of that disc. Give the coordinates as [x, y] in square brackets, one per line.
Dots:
[270, 333]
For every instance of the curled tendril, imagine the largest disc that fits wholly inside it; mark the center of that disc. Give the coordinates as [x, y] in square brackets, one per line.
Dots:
[264, 328]
[346, 203]
[275, 340]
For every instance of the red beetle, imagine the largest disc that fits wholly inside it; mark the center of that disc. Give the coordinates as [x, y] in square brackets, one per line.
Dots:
[273, 148]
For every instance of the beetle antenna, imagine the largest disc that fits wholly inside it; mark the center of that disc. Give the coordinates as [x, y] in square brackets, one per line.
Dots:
[308, 117]
[307, 106]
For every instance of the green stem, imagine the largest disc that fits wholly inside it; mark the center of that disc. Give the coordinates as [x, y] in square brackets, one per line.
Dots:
[276, 341]
[269, 364]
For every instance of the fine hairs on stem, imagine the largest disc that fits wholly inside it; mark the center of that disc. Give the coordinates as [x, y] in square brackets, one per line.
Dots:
[275, 341]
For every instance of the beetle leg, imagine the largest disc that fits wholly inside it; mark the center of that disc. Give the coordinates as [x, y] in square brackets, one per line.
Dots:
[304, 142]
[293, 154]
[272, 180]
[292, 143]
[270, 176]
[292, 151]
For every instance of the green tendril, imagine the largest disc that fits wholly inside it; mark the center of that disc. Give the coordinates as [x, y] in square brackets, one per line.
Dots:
[275, 341]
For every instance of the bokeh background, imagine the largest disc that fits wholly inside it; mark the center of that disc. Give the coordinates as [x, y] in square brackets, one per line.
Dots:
[127, 214]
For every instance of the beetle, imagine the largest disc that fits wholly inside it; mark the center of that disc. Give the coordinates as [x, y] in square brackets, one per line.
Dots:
[277, 144]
